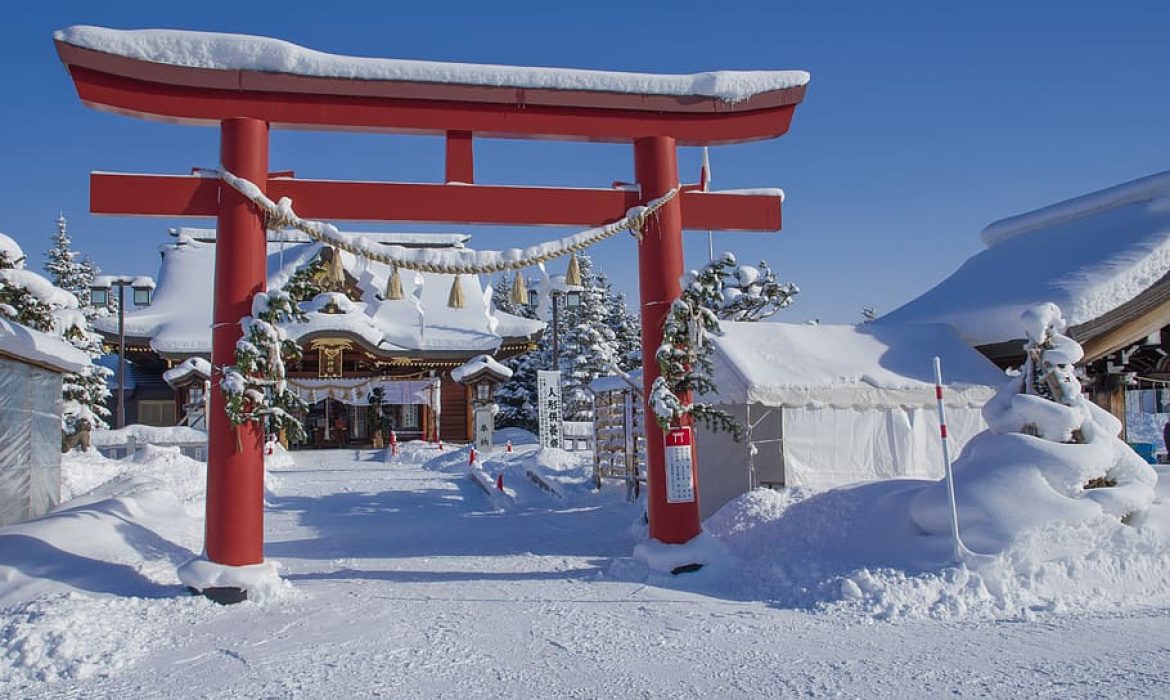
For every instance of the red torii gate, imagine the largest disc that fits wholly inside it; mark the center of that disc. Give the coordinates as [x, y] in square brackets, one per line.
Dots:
[246, 102]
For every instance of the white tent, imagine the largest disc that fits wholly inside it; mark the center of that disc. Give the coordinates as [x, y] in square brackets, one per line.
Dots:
[828, 405]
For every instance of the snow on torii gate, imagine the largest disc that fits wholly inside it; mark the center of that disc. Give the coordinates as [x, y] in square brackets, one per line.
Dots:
[247, 85]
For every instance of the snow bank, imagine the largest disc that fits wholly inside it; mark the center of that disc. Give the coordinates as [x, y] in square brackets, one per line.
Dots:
[241, 52]
[1055, 512]
[144, 434]
[703, 550]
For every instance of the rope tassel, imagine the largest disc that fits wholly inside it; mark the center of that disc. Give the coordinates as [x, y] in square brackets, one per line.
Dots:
[519, 290]
[573, 274]
[394, 285]
[455, 298]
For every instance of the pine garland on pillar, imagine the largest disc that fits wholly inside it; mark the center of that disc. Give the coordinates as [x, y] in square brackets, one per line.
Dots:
[722, 290]
[255, 388]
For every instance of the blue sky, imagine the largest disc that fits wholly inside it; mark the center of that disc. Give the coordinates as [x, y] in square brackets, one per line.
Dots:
[924, 121]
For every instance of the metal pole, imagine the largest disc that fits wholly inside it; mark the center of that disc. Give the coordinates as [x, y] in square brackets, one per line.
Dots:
[121, 354]
[556, 329]
[946, 450]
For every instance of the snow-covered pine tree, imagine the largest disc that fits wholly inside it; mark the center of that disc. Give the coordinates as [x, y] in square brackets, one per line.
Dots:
[66, 268]
[516, 397]
[33, 301]
[589, 348]
[626, 326]
[86, 393]
[723, 290]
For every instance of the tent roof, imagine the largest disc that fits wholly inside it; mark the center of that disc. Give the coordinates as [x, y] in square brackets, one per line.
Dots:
[1089, 255]
[782, 364]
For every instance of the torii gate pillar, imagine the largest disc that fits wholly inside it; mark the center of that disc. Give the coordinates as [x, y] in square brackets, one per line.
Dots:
[234, 531]
[660, 265]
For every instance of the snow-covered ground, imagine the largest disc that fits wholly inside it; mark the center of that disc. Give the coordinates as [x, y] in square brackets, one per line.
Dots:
[406, 580]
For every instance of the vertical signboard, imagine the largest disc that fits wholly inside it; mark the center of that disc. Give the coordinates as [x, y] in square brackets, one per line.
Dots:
[548, 389]
[680, 466]
[484, 422]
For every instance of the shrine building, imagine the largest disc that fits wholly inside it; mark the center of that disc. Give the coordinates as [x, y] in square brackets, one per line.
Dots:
[366, 327]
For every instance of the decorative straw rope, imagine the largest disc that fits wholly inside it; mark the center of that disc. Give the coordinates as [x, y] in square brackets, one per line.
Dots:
[280, 215]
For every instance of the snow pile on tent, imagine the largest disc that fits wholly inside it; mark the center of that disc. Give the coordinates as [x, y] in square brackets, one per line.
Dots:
[1058, 511]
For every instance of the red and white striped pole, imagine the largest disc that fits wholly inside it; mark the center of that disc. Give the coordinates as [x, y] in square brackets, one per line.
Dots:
[946, 450]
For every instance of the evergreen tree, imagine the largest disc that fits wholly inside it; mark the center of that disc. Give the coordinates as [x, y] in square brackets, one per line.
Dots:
[65, 267]
[626, 327]
[589, 348]
[516, 397]
[29, 299]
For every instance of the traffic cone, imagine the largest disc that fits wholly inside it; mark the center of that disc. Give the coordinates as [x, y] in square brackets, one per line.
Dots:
[500, 482]
[471, 457]
[440, 444]
[509, 446]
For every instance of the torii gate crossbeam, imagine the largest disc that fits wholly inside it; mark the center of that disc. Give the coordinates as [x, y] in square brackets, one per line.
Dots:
[124, 72]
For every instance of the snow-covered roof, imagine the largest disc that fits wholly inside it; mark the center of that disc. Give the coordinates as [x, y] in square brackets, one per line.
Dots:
[1088, 255]
[614, 382]
[478, 365]
[178, 320]
[853, 366]
[213, 51]
[405, 239]
[190, 367]
[39, 348]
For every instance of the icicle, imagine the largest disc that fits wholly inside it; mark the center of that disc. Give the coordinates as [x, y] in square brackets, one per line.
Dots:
[455, 298]
[519, 290]
[573, 275]
[394, 285]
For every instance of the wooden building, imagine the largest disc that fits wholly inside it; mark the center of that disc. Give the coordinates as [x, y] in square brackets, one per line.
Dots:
[359, 334]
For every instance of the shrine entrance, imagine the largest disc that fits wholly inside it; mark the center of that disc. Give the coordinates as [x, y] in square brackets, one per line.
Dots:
[148, 74]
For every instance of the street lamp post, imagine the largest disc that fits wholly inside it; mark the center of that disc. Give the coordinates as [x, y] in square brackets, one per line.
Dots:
[143, 286]
[553, 290]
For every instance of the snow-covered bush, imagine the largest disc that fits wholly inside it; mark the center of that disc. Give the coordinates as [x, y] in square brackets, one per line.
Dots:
[1049, 455]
